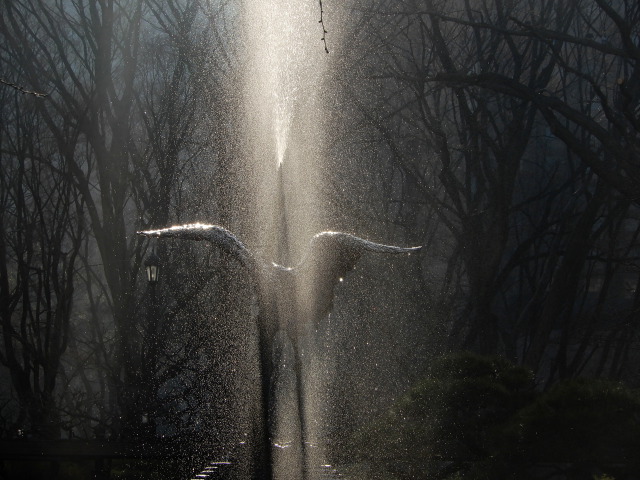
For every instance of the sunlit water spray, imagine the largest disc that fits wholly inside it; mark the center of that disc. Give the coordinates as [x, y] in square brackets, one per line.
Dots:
[285, 144]
[280, 51]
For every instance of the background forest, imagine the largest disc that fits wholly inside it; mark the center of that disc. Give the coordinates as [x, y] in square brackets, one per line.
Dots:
[502, 135]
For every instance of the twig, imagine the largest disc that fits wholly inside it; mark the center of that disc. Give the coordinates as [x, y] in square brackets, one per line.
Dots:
[21, 89]
[324, 30]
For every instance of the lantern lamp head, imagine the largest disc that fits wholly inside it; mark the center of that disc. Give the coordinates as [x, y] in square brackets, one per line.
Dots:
[152, 265]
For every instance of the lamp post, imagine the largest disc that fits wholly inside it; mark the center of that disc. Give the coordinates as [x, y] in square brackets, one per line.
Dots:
[152, 267]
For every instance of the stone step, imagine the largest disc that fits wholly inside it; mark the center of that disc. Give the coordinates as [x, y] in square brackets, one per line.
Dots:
[216, 469]
[211, 471]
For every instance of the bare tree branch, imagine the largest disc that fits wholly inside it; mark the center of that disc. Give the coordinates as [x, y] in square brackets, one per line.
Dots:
[22, 89]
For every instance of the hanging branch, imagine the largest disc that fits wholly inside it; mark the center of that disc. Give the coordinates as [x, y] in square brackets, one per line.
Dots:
[324, 30]
[21, 89]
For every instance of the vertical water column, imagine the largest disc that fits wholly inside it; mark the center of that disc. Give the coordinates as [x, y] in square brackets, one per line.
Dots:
[284, 142]
[283, 76]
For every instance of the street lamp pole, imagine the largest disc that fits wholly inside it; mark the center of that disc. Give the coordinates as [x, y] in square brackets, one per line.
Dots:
[152, 267]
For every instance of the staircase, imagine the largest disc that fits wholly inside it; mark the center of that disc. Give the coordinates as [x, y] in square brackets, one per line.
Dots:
[219, 470]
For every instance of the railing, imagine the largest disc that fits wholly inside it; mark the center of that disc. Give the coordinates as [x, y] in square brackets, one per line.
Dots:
[213, 471]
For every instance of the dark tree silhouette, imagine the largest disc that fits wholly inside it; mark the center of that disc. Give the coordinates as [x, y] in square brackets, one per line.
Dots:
[42, 229]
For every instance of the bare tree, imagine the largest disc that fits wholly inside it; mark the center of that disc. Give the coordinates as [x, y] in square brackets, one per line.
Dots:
[598, 52]
[42, 229]
[496, 180]
[460, 148]
[132, 80]
[588, 102]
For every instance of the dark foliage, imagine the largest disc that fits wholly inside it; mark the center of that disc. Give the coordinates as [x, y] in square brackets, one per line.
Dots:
[480, 417]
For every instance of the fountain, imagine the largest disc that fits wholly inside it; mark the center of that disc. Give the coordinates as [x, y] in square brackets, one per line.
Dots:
[282, 177]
